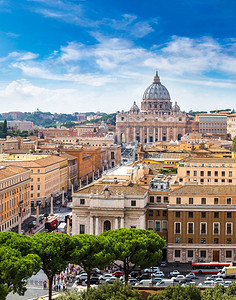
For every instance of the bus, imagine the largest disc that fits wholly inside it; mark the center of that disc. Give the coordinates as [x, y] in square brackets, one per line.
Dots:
[62, 228]
[51, 224]
[209, 268]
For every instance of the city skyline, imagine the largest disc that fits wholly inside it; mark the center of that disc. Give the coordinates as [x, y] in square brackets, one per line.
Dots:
[68, 56]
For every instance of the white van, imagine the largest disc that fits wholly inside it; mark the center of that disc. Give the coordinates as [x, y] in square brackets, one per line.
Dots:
[145, 282]
[165, 282]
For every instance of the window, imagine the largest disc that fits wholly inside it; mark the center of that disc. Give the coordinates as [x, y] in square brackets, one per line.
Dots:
[228, 228]
[112, 155]
[230, 173]
[32, 187]
[202, 173]
[203, 241]
[228, 253]
[208, 173]
[151, 199]
[166, 199]
[158, 199]
[202, 180]
[150, 225]
[222, 180]
[216, 228]
[203, 253]
[178, 200]
[177, 214]
[82, 201]
[190, 214]
[133, 202]
[203, 201]
[203, 228]
[203, 214]
[177, 240]
[216, 241]
[230, 180]
[190, 200]
[158, 213]
[228, 241]
[229, 215]
[177, 253]
[38, 187]
[38, 179]
[194, 173]
[187, 172]
[81, 229]
[177, 227]
[216, 180]
[38, 171]
[228, 201]
[158, 226]
[216, 173]
[190, 240]
[190, 253]
[216, 215]
[164, 213]
[190, 227]
[38, 195]
[223, 173]
[150, 213]
[216, 200]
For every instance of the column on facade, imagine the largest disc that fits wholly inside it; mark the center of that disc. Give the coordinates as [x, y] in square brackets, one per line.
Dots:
[118, 133]
[75, 224]
[122, 223]
[148, 137]
[91, 225]
[154, 134]
[96, 226]
[141, 135]
[134, 134]
[116, 223]
[127, 135]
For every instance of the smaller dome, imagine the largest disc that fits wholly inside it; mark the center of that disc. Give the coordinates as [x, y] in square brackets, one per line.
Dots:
[176, 107]
[134, 108]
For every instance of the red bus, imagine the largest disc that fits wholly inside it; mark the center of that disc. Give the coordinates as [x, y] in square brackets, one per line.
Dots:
[51, 225]
[208, 268]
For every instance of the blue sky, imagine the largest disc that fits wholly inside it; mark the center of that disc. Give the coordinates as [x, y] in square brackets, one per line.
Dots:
[100, 55]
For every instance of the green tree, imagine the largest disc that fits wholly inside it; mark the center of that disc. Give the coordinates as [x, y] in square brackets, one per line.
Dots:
[53, 250]
[4, 128]
[115, 291]
[91, 251]
[234, 144]
[135, 247]
[219, 292]
[178, 293]
[16, 263]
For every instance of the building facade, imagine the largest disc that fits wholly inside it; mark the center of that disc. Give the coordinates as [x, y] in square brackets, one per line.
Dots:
[14, 196]
[214, 125]
[156, 121]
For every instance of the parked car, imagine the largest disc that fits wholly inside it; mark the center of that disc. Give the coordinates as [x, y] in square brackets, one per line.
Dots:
[93, 280]
[179, 278]
[206, 283]
[191, 276]
[145, 282]
[158, 274]
[227, 283]
[152, 270]
[173, 274]
[34, 223]
[111, 279]
[144, 276]
[104, 277]
[219, 280]
[188, 283]
[163, 264]
[117, 274]
[165, 282]
[82, 277]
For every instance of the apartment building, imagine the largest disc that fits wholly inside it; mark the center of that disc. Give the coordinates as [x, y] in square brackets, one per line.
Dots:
[207, 171]
[14, 196]
[201, 223]
[231, 125]
[214, 125]
[48, 175]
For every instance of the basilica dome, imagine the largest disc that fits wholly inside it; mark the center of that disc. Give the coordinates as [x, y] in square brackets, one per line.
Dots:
[156, 91]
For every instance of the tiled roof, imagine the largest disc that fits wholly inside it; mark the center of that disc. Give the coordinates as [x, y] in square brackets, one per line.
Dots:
[9, 171]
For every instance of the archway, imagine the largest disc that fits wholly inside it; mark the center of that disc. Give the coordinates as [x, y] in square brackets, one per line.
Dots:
[179, 136]
[107, 226]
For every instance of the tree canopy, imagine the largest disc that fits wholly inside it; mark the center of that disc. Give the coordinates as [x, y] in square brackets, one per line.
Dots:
[135, 247]
[91, 251]
[178, 293]
[53, 250]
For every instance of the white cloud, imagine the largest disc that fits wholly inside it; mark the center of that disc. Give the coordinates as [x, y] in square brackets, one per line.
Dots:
[19, 56]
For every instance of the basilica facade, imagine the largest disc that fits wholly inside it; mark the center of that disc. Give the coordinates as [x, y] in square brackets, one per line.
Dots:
[157, 120]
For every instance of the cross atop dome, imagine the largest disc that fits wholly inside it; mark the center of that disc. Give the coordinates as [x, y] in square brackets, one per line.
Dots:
[156, 78]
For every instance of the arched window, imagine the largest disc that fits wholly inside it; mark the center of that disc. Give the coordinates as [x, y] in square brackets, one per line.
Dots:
[107, 226]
